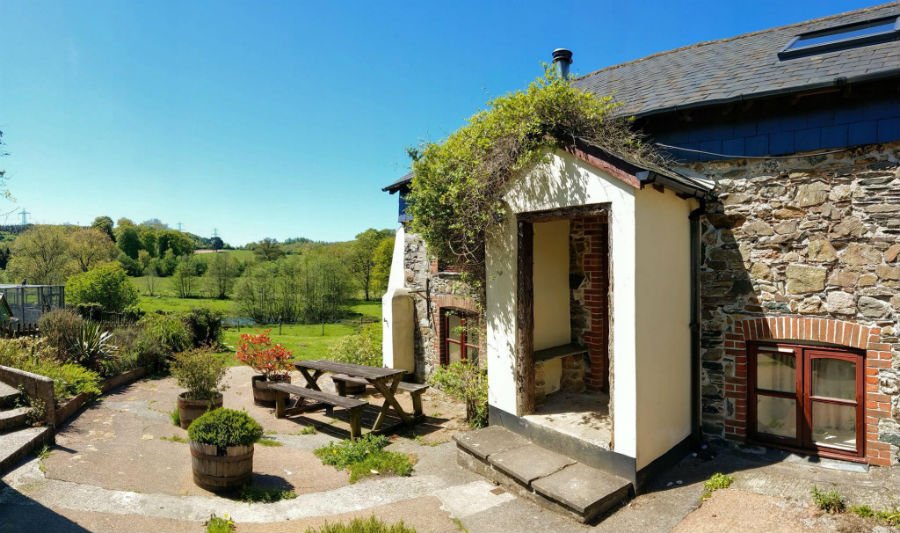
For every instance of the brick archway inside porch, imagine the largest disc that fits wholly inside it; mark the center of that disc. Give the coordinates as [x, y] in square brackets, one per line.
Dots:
[794, 329]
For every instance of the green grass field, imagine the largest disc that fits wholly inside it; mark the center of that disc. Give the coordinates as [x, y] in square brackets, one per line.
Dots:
[306, 341]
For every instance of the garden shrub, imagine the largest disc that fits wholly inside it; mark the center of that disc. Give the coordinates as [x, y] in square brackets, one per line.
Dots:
[205, 327]
[365, 456]
[93, 348]
[200, 371]
[126, 339]
[225, 427]
[33, 355]
[257, 351]
[60, 327]
[364, 348]
[362, 525]
[106, 284]
[161, 336]
[468, 383]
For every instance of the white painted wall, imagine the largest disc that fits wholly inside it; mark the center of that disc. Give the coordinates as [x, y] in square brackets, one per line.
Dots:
[552, 325]
[396, 280]
[663, 301]
[563, 181]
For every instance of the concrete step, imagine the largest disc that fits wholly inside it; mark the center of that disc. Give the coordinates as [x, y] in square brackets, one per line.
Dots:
[8, 396]
[17, 444]
[552, 480]
[14, 418]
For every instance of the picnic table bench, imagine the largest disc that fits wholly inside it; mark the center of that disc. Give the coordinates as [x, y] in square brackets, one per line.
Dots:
[386, 381]
[415, 390]
[327, 400]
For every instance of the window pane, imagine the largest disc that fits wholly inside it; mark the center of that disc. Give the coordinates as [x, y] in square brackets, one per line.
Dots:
[834, 378]
[454, 329]
[776, 416]
[776, 371]
[834, 425]
[453, 354]
[850, 32]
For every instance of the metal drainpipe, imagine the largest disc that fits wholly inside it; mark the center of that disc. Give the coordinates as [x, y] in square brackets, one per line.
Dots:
[696, 429]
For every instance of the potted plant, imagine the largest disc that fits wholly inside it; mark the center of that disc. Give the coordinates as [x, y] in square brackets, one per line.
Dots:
[222, 449]
[272, 361]
[200, 372]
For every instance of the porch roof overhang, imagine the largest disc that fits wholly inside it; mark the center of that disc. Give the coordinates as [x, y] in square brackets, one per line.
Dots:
[399, 184]
[638, 174]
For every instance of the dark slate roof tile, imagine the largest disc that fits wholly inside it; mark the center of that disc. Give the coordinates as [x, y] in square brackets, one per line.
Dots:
[742, 66]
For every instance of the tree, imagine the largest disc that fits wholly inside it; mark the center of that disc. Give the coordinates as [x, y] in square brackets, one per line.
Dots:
[149, 240]
[179, 242]
[104, 224]
[381, 264]
[128, 239]
[91, 246]
[154, 223]
[216, 243]
[185, 276]
[106, 284]
[221, 274]
[40, 255]
[361, 258]
[268, 250]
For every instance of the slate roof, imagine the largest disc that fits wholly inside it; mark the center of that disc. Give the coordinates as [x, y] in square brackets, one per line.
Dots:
[746, 66]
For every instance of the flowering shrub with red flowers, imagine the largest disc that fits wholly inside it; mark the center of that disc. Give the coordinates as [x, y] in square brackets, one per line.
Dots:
[257, 351]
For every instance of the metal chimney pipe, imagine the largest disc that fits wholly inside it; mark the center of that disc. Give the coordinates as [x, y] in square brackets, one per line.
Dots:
[563, 58]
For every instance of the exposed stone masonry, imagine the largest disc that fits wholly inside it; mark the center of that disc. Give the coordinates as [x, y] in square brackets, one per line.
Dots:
[432, 291]
[589, 300]
[803, 237]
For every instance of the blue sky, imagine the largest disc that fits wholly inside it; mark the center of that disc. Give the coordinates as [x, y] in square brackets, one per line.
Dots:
[285, 118]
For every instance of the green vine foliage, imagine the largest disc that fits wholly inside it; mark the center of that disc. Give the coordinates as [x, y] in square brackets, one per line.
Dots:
[456, 196]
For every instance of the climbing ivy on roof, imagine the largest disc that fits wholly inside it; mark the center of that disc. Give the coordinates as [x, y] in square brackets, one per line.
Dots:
[456, 195]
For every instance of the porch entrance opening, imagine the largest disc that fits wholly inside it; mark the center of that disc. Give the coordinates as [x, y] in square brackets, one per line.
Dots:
[567, 282]
[808, 398]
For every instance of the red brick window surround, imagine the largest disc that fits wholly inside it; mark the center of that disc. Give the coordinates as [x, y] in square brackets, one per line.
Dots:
[814, 330]
[460, 305]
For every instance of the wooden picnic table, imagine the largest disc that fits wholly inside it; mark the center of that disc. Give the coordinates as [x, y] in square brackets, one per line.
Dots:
[385, 380]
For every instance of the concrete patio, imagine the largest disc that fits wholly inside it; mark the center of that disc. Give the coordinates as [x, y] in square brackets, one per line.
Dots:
[116, 468]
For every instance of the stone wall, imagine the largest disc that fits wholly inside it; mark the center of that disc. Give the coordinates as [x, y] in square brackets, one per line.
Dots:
[432, 290]
[800, 237]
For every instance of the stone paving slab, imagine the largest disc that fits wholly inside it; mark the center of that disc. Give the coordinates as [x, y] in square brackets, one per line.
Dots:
[489, 441]
[529, 462]
[585, 490]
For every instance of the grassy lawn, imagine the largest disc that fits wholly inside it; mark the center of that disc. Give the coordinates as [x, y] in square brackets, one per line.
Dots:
[306, 341]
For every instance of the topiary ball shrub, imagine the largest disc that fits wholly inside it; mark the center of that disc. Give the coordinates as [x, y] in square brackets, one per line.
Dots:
[225, 427]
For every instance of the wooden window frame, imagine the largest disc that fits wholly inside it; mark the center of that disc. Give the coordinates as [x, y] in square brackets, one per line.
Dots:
[447, 334]
[804, 398]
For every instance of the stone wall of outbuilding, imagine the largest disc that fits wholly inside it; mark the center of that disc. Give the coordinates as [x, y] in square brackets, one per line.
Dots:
[432, 291]
[803, 237]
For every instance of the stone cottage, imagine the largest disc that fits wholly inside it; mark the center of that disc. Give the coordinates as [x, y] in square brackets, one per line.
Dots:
[749, 292]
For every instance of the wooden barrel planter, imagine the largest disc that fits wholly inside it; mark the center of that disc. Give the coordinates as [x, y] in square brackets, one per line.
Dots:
[190, 410]
[220, 473]
[261, 394]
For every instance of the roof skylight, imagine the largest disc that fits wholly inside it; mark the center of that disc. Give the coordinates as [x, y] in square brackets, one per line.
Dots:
[841, 37]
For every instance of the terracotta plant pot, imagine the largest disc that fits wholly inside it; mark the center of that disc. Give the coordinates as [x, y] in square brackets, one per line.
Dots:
[190, 410]
[262, 395]
[221, 470]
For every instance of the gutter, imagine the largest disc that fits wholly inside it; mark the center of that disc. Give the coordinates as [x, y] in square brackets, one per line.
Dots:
[685, 187]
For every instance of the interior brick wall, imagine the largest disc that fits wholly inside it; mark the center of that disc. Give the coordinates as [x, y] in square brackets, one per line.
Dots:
[589, 242]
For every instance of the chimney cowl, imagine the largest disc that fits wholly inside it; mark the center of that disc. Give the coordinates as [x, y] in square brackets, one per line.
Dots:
[563, 57]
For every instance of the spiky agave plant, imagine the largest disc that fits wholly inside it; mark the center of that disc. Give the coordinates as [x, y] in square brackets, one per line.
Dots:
[93, 346]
